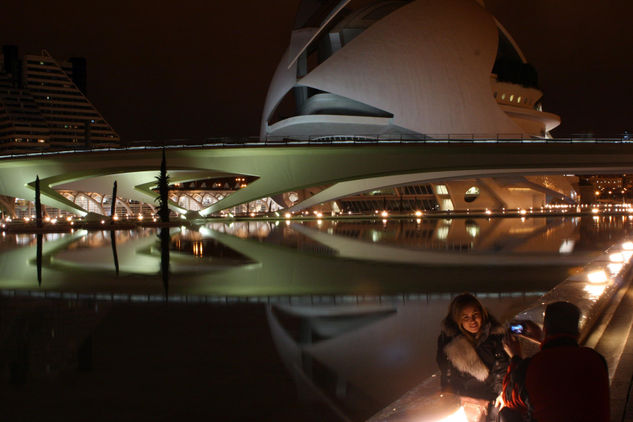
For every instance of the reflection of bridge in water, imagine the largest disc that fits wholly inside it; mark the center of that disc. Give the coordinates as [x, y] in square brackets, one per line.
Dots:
[269, 259]
[353, 334]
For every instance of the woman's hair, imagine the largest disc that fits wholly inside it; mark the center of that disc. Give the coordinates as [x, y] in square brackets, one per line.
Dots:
[457, 306]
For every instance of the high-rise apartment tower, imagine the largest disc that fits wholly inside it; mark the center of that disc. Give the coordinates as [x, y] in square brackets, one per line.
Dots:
[43, 105]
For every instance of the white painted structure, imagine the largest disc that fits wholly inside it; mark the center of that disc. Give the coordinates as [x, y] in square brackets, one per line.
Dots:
[403, 69]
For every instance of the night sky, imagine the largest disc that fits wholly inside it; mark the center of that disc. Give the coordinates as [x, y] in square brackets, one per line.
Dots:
[201, 69]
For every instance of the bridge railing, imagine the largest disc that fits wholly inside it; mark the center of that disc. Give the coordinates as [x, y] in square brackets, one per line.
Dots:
[253, 141]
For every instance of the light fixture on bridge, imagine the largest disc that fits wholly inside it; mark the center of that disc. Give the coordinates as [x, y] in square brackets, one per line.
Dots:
[616, 257]
[384, 214]
[418, 213]
[615, 268]
[595, 291]
[287, 215]
[597, 277]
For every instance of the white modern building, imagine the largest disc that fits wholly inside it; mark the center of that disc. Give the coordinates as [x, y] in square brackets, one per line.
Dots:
[402, 69]
[414, 70]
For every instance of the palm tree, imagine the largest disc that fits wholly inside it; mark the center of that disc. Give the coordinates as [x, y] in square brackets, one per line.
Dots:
[38, 204]
[163, 191]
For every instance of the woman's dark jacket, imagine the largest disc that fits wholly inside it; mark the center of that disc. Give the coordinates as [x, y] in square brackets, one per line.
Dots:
[472, 370]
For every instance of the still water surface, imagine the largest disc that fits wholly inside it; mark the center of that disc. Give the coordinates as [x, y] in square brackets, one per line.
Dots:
[321, 321]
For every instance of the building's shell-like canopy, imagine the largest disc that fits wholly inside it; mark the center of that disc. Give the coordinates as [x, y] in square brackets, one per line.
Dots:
[404, 68]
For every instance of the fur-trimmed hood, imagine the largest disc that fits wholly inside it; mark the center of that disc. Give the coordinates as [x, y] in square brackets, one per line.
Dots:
[462, 353]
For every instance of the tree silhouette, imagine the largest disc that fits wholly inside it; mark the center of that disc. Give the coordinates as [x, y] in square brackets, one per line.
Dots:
[165, 240]
[113, 205]
[163, 191]
[38, 258]
[115, 256]
[38, 204]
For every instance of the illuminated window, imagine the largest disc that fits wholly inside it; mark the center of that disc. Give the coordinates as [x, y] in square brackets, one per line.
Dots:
[471, 194]
[519, 100]
[503, 96]
[441, 189]
[511, 97]
[447, 205]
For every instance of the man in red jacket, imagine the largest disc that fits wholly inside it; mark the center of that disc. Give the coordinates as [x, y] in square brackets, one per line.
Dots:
[562, 382]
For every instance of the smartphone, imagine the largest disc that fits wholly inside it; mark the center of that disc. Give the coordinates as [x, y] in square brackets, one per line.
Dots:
[517, 328]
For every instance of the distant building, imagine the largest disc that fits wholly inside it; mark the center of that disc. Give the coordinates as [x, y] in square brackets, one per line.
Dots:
[43, 105]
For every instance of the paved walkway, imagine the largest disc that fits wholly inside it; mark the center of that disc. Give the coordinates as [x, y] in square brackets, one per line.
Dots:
[614, 340]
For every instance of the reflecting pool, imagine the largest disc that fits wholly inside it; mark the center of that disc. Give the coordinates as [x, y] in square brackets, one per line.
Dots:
[282, 320]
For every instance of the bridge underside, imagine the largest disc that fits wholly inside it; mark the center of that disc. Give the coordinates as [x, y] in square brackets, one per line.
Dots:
[344, 170]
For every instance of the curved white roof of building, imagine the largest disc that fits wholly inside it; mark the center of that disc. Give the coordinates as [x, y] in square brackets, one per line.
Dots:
[427, 63]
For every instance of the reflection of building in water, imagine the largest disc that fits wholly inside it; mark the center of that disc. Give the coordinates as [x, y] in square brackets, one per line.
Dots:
[357, 358]
[98, 239]
[601, 232]
[191, 242]
[513, 235]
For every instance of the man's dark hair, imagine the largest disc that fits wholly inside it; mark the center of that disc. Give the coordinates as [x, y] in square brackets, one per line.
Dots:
[561, 318]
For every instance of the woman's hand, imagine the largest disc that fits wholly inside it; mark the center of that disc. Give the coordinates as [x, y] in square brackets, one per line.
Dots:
[499, 403]
[532, 331]
[511, 345]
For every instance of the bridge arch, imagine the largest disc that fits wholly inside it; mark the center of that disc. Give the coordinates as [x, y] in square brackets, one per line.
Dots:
[346, 168]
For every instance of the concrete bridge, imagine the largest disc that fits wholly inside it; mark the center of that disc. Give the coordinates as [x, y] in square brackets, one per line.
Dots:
[347, 167]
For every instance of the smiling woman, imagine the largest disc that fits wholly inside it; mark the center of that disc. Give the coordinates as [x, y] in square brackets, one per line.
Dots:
[471, 357]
